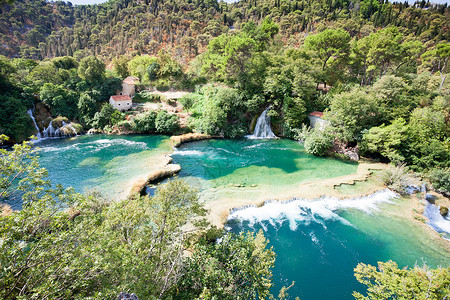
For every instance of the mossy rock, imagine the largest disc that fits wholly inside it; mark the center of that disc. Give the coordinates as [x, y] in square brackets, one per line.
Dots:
[58, 122]
[78, 127]
[443, 210]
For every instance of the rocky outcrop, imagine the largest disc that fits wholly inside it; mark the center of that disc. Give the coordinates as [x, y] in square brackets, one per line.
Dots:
[156, 176]
[126, 296]
[342, 148]
[443, 211]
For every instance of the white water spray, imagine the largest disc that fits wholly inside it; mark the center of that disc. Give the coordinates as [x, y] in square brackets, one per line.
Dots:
[307, 211]
[262, 128]
[30, 113]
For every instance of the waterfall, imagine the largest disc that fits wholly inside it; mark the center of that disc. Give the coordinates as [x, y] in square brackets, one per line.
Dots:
[30, 113]
[50, 131]
[436, 221]
[64, 131]
[262, 128]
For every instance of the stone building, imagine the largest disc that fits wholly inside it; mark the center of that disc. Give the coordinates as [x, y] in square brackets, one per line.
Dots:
[129, 86]
[316, 121]
[121, 102]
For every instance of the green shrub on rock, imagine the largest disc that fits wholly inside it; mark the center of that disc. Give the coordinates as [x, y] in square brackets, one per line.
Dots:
[166, 123]
[440, 179]
[144, 123]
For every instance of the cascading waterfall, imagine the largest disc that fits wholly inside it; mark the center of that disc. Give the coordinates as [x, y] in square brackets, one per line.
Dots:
[262, 128]
[436, 221]
[52, 131]
[30, 113]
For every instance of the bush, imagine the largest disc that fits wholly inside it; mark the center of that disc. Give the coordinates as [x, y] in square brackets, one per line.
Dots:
[144, 123]
[125, 125]
[398, 178]
[316, 142]
[188, 101]
[166, 123]
[147, 96]
[440, 179]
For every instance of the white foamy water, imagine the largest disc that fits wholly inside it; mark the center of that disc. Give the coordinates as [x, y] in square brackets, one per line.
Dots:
[306, 211]
[97, 145]
[436, 220]
[188, 152]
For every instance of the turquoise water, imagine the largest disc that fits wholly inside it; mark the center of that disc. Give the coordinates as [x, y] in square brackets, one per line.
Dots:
[319, 243]
[274, 165]
[104, 163]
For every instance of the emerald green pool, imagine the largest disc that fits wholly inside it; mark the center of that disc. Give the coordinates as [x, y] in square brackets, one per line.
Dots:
[231, 168]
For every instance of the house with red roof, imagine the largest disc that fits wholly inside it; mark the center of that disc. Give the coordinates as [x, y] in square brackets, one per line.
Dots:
[121, 102]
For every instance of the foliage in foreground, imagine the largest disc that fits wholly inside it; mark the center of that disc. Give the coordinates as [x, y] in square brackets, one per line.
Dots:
[67, 245]
[390, 282]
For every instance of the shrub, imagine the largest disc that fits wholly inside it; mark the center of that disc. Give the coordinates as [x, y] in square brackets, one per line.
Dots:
[144, 123]
[188, 101]
[440, 179]
[318, 142]
[398, 178]
[125, 125]
[166, 123]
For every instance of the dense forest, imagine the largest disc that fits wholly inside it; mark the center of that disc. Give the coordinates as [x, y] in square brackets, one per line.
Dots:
[377, 70]
[40, 29]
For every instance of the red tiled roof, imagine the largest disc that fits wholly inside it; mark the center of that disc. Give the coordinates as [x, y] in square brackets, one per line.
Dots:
[121, 98]
[131, 80]
[316, 114]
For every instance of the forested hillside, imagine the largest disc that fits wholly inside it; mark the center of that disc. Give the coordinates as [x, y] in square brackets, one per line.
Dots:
[39, 29]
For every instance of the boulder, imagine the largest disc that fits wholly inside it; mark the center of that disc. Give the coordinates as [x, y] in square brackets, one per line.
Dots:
[126, 296]
[443, 210]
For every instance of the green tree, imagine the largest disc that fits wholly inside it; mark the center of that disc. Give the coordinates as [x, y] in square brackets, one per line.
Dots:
[390, 282]
[121, 66]
[331, 46]
[103, 117]
[437, 59]
[389, 141]
[91, 69]
[166, 123]
[63, 102]
[65, 62]
[244, 272]
[144, 123]
[440, 179]
[352, 112]
[138, 65]
[87, 107]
